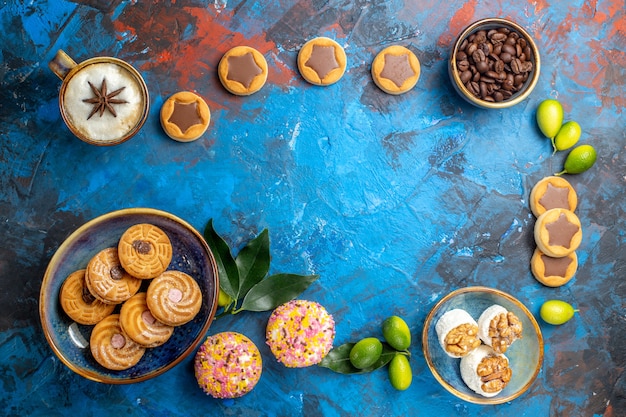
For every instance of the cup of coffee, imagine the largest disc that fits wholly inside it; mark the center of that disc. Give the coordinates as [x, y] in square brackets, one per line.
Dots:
[104, 101]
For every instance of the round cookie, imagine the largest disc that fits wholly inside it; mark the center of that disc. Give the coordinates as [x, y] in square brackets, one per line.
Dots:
[111, 347]
[552, 192]
[322, 61]
[395, 70]
[185, 116]
[140, 325]
[553, 272]
[228, 365]
[558, 232]
[79, 304]
[300, 333]
[145, 251]
[174, 298]
[107, 280]
[243, 70]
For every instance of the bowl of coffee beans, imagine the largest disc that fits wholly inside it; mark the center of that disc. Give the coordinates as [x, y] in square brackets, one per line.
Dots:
[494, 64]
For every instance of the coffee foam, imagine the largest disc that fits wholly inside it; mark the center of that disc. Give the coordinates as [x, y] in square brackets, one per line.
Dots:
[107, 127]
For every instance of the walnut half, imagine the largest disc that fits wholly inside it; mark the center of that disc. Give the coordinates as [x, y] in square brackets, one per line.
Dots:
[494, 373]
[462, 339]
[504, 329]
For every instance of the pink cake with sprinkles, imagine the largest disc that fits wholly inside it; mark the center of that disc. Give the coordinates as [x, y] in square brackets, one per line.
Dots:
[300, 333]
[228, 365]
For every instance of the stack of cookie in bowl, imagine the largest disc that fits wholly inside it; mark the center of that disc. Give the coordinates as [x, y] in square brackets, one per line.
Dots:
[558, 232]
[132, 298]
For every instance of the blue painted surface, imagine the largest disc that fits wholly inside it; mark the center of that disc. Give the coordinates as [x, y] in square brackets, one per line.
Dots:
[393, 201]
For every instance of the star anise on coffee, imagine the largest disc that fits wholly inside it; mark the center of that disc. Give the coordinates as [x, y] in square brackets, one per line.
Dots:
[103, 100]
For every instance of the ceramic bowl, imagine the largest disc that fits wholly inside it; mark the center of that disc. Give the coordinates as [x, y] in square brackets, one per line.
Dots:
[70, 341]
[525, 355]
[529, 84]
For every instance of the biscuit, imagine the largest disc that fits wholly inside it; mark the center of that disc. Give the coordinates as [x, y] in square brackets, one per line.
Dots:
[140, 325]
[553, 272]
[79, 304]
[552, 192]
[558, 232]
[174, 298]
[322, 61]
[395, 70]
[185, 116]
[111, 347]
[243, 70]
[145, 250]
[107, 280]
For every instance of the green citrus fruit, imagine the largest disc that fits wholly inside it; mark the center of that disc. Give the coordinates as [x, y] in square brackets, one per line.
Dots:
[366, 352]
[397, 333]
[400, 373]
[580, 159]
[223, 299]
[556, 312]
[550, 117]
[568, 136]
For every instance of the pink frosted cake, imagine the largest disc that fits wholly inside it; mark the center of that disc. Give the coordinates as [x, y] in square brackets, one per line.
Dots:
[300, 333]
[228, 365]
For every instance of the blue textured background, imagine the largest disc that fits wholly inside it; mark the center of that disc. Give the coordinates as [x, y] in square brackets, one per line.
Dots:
[393, 201]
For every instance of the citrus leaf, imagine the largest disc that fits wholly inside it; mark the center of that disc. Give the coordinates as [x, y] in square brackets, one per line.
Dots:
[338, 359]
[226, 266]
[276, 290]
[253, 262]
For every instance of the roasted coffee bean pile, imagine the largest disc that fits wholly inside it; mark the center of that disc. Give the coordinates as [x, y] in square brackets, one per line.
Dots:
[494, 65]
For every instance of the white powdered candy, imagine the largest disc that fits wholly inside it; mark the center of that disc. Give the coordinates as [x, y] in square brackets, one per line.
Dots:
[499, 328]
[485, 372]
[457, 332]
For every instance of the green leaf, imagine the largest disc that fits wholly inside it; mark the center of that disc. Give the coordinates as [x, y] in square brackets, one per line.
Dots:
[338, 359]
[276, 290]
[253, 262]
[226, 266]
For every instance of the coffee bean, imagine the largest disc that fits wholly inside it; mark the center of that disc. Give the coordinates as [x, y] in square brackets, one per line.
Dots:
[494, 65]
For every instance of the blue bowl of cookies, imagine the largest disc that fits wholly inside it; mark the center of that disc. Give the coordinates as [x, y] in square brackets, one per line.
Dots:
[482, 345]
[128, 295]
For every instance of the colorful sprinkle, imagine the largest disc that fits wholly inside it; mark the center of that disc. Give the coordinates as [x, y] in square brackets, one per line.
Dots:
[300, 333]
[228, 365]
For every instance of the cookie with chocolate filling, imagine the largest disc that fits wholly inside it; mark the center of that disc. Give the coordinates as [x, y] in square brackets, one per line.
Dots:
[111, 347]
[185, 116]
[553, 272]
[174, 298]
[243, 70]
[322, 61]
[140, 325]
[552, 192]
[79, 304]
[558, 232]
[107, 280]
[395, 70]
[145, 250]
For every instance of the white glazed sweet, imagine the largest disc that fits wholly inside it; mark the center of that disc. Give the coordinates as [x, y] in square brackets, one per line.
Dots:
[460, 322]
[485, 372]
[500, 334]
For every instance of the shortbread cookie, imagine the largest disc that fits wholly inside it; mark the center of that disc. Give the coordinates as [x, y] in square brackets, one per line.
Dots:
[140, 325]
[145, 250]
[79, 304]
[396, 69]
[552, 192]
[558, 232]
[243, 70]
[107, 280]
[174, 298]
[553, 272]
[185, 116]
[111, 347]
[322, 61]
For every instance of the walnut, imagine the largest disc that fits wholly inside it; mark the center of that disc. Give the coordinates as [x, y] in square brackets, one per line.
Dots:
[494, 372]
[462, 339]
[504, 329]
